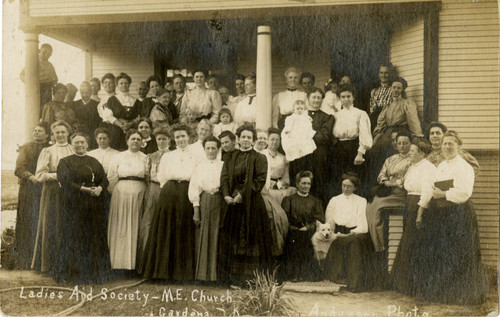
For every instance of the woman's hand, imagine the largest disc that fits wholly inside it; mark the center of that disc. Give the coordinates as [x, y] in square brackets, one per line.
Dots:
[238, 199]
[391, 183]
[33, 179]
[96, 191]
[284, 185]
[358, 160]
[304, 228]
[438, 193]
[196, 215]
[419, 217]
[229, 200]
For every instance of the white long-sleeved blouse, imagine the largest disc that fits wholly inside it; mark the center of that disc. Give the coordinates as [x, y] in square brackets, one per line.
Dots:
[46, 167]
[353, 123]
[348, 211]
[283, 103]
[205, 178]
[105, 157]
[127, 164]
[419, 176]
[177, 165]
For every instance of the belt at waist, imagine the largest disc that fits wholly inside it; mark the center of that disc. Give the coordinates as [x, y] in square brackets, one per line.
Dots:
[132, 178]
[213, 193]
[349, 139]
[178, 180]
[414, 194]
[275, 179]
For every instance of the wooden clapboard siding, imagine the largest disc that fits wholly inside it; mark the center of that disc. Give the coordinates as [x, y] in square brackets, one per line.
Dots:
[395, 233]
[43, 8]
[468, 71]
[407, 55]
[113, 57]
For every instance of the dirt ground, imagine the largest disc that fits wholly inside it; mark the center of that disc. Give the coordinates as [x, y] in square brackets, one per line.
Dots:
[189, 299]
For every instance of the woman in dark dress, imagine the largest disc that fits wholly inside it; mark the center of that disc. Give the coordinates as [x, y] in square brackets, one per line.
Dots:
[169, 252]
[246, 238]
[318, 162]
[145, 127]
[125, 112]
[30, 191]
[447, 261]
[83, 256]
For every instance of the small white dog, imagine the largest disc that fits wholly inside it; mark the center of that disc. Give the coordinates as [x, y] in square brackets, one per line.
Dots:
[321, 240]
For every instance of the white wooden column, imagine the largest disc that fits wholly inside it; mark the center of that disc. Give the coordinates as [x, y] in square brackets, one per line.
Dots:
[264, 78]
[31, 85]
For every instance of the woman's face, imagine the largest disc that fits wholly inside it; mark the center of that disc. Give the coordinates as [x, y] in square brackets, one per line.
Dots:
[123, 85]
[403, 145]
[334, 87]
[199, 79]
[436, 136]
[162, 141]
[40, 135]
[273, 142]
[213, 83]
[155, 88]
[315, 100]
[304, 186]
[203, 130]
[96, 86]
[80, 145]
[261, 143]
[348, 187]
[109, 85]
[61, 134]
[384, 74]
[144, 129]
[102, 140]
[211, 150]
[59, 95]
[134, 142]
[240, 86]
[181, 139]
[397, 89]
[250, 87]
[179, 85]
[347, 99]
[415, 154]
[292, 79]
[450, 147]
[246, 140]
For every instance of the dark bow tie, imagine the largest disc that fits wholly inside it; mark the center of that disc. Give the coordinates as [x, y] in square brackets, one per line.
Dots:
[251, 99]
[291, 89]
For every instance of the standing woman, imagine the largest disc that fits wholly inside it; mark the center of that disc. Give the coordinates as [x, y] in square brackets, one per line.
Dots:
[284, 100]
[204, 193]
[420, 175]
[246, 238]
[447, 262]
[206, 103]
[318, 161]
[46, 173]
[30, 191]
[84, 255]
[169, 252]
[108, 82]
[125, 112]
[57, 109]
[163, 138]
[145, 127]
[127, 177]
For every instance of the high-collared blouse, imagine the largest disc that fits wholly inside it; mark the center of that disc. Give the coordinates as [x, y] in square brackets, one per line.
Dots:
[394, 166]
[206, 178]
[400, 112]
[436, 157]
[177, 165]
[353, 123]
[462, 174]
[46, 167]
[126, 101]
[283, 103]
[104, 112]
[420, 175]
[105, 157]
[126, 164]
[380, 97]
[154, 164]
[331, 103]
[348, 211]
[203, 102]
[278, 167]
[246, 110]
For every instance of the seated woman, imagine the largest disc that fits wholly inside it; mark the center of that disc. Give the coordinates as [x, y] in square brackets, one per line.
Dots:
[434, 134]
[389, 191]
[303, 210]
[447, 261]
[420, 175]
[163, 113]
[347, 258]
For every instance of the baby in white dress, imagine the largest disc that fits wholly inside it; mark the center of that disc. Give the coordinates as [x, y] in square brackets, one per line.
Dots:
[297, 135]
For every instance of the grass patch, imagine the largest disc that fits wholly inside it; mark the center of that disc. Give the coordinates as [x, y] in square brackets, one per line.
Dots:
[10, 190]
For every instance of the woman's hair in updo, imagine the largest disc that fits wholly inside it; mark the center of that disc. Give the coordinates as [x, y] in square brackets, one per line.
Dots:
[273, 130]
[123, 76]
[303, 174]
[153, 78]
[211, 138]
[423, 145]
[130, 133]
[454, 134]
[435, 124]
[102, 130]
[352, 177]
[147, 120]
[85, 135]
[58, 87]
[403, 132]
[402, 81]
[346, 87]
[315, 90]
[44, 125]
[202, 70]
[292, 69]
[247, 127]
[108, 76]
[181, 127]
[61, 123]
[163, 131]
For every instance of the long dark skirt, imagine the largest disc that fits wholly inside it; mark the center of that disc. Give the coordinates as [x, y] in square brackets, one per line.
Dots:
[447, 261]
[344, 154]
[169, 252]
[299, 261]
[402, 274]
[239, 257]
[150, 201]
[28, 209]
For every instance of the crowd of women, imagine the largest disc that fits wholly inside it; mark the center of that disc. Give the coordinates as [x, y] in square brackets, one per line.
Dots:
[179, 185]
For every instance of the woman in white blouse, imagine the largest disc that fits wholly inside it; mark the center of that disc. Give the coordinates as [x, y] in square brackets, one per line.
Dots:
[284, 100]
[420, 175]
[447, 261]
[246, 109]
[127, 184]
[352, 132]
[169, 252]
[46, 172]
[206, 103]
[346, 215]
[207, 201]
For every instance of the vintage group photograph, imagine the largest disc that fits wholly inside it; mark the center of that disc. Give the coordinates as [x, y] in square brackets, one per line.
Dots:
[258, 158]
